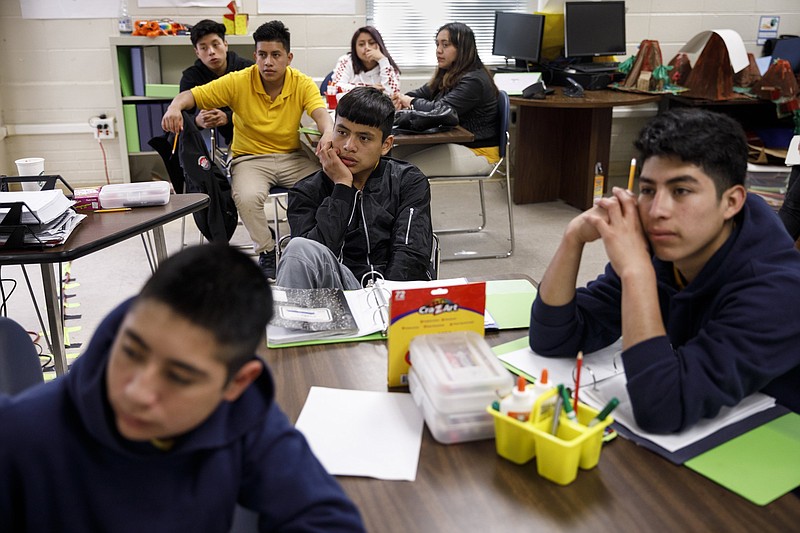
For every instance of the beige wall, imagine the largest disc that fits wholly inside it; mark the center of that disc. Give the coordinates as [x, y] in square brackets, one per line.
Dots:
[55, 74]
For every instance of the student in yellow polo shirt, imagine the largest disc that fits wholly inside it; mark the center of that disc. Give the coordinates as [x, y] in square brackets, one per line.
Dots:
[268, 100]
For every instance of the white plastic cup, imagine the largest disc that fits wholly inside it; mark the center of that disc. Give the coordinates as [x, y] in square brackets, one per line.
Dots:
[31, 166]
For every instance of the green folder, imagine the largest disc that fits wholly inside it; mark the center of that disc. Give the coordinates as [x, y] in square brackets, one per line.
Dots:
[760, 465]
[513, 346]
[125, 76]
[509, 302]
[131, 128]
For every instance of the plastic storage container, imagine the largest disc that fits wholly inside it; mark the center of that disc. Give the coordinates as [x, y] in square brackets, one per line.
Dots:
[134, 194]
[557, 456]
[453, 377]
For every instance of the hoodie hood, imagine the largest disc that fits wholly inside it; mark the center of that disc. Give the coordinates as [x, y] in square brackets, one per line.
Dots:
[86, 386]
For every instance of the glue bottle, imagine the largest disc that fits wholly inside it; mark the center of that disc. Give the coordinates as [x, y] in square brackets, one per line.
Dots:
[519, 403]
[599, 179]
[541, 386]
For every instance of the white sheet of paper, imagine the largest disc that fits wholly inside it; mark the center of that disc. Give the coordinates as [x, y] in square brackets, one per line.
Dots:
[793, 153]
[363, 433]
[597, 366]
[737, 53]
[623, 414]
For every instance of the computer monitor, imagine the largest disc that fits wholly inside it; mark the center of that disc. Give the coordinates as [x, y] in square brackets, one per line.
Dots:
[518, 36]
[594, 29]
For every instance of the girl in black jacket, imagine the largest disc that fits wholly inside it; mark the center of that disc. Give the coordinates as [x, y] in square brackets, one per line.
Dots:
[462, 82]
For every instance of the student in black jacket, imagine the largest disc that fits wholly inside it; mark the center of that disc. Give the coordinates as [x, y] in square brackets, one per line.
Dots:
[363, 215]
[213, 61]
[461, 82]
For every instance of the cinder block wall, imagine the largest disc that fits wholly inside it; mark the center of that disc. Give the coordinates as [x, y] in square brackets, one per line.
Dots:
[57, 73]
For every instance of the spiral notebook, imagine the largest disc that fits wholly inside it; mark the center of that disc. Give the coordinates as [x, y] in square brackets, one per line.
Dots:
[316, 316]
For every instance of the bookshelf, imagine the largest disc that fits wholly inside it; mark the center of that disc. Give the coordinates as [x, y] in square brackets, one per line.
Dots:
[175, 54]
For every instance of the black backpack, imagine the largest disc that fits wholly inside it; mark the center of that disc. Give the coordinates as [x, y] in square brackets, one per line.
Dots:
[218, 221]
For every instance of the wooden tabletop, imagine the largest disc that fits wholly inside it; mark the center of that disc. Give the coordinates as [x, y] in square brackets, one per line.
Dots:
[100, 230]
[590, 99]
[468, 487]
[455, 135]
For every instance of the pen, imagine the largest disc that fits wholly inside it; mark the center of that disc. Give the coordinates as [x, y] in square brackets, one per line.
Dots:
[610, 406]
[578, 365]
[557, 412]
[113, 210]
[567, 405]
[631, 174]
[175, 144]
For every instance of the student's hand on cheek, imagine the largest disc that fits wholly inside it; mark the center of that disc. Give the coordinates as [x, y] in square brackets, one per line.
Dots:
[332, 165]
[623, 236]
[374, 54]
[583, 228]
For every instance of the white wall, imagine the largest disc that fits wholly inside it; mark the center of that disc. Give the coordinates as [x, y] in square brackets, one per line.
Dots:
[55, 74]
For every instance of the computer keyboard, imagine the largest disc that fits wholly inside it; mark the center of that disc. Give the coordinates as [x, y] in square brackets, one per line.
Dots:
[588, 68]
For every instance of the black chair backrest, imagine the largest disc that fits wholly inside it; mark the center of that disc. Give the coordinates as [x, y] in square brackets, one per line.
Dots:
[323, 87]
[19, 363]
[503, 108]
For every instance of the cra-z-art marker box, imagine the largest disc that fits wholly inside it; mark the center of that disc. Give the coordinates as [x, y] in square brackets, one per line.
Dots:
[427, 310]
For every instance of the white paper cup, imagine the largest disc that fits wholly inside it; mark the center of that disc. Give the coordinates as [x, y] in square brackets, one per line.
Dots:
[31, 166]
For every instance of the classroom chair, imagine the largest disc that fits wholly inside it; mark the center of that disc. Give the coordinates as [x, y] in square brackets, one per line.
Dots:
[19, 362]
[279, 196]
[500, 172]
[324, 85]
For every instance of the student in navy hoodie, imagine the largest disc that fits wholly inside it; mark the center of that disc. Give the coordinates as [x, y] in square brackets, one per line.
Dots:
[168, 420]
[700, 284]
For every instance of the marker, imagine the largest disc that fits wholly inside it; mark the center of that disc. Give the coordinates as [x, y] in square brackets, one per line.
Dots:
[610, 406]
[175, 144]
[578, 365]
[631, 174]
[556, 413]
[113, 210]
[567, 405]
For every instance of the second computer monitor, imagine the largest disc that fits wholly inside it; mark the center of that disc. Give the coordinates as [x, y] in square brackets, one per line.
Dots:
[518, 36]
[594, 29]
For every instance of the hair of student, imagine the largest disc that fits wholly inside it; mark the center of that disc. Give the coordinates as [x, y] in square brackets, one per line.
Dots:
[358, 65]
[206, 27]
[467, 59]
[219, 289]
[714, 142]
[273, 31]
[368, 106]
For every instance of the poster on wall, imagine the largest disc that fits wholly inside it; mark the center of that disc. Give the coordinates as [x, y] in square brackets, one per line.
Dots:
[308, 7]
[182, 3]
[72, 9]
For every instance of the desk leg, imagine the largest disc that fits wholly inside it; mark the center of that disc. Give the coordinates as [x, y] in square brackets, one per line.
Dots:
[160, 244]
[54, 318]
[556, 153]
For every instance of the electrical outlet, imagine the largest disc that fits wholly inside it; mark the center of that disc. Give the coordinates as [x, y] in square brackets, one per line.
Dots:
[102, 127]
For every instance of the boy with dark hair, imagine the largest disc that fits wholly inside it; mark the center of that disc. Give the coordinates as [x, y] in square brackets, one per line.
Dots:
[213, 60]
[168, 420]
[268, 100]
[699, 280]
[363, 215]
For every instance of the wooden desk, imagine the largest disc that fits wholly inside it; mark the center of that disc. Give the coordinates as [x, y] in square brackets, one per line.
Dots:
[455, 135]
[559, 141]
[468, 487]
[98, 231]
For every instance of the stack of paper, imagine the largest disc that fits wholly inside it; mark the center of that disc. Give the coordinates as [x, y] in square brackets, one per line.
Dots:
[47, 217]
[40, 207]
